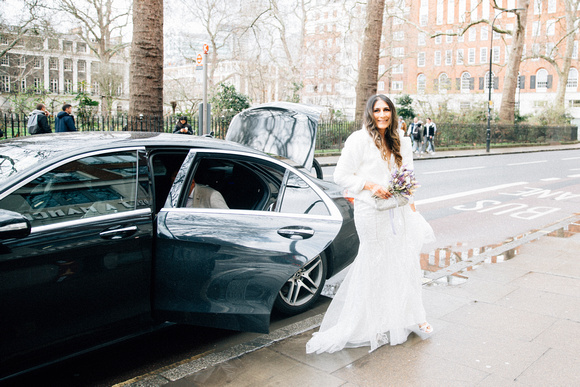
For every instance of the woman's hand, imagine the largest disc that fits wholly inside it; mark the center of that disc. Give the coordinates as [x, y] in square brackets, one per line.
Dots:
[378, 190]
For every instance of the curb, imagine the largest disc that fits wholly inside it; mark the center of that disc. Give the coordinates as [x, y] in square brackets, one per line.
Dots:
[449, 156]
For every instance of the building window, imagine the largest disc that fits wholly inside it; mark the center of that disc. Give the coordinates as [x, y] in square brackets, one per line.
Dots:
[460, 56]
[95, 88]
[450, 11]
[4, 61]
[536, 28]
[496, 54]
[421, 59]
[449, 38]
[95, 67]
[537, 7]
[535, 51]
[23, 84]
[439, 20]
[53, 63]
[381, 86]
[68, 65]
[438, 39]
[81, 66]
[398, 69]
[81, 47]
[397, 85]
[444, 83]
[423, 19]
[421, 39]
[421, 83]
[68, 86]
[551, 27]
[437, 58]
[572, 79]
[575, 50]
[22, 61]
[542, 79]
[471, 55]
[37, 62]
[54, 85]
[67, 46]
[551, 6]
[466, 82]
[472, 34]
[399, 35]
[483, 55]
[3, 40]
[398, 52]
[381, 70]
[550, 50]
[37, 85]
[6, 83]
[484, 33]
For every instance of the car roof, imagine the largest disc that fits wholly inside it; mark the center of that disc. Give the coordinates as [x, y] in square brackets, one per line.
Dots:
[50, 148]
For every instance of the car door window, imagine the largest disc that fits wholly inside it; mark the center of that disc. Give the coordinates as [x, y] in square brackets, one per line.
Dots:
[300, 198]
[87, 187]
[242, 182]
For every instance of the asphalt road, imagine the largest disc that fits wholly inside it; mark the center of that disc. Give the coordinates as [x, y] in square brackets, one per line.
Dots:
[472, 202]
[479, 201]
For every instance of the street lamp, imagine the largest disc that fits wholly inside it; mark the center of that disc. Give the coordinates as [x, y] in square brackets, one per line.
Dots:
[490, 79]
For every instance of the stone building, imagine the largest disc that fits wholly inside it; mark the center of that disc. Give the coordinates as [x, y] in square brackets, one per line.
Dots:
[61, 65]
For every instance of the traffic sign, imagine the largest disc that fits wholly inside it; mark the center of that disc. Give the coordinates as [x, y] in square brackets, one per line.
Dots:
[199, 59]
[205, 48]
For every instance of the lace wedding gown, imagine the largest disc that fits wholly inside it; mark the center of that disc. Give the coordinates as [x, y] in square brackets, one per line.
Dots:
[380, 300]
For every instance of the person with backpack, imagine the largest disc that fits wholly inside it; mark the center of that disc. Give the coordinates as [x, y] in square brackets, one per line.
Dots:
[65, 122]
[38, 121]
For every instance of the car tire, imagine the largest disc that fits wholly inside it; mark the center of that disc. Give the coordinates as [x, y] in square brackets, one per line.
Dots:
[317, 169]
[302, 290]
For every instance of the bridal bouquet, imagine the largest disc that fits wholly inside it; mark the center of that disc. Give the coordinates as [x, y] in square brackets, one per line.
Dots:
[402, 186]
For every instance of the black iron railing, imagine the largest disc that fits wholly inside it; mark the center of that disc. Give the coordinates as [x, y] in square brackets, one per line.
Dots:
[331, 133]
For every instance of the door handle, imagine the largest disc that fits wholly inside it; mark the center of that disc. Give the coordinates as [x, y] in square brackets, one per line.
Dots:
[296, 232]
[118, 233]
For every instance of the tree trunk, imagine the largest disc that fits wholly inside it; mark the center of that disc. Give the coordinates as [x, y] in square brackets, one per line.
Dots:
[146, 79]
[571, 18]
[508, 97]
[369, 62]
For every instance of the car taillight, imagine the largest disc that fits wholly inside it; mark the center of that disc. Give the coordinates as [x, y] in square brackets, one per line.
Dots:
[349, 199]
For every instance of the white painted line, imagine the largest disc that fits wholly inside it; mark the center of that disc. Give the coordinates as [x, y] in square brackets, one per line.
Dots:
[550, 179]
[573, 175]
[452, 170]
[467, 193]
[575, 169]
[529, 162]
[571, 158]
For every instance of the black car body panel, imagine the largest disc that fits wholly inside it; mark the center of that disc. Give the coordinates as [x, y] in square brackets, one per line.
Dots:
[112, 242]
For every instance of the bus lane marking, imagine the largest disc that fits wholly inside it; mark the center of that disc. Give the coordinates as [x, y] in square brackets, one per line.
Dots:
[529, 162]
[468, 193]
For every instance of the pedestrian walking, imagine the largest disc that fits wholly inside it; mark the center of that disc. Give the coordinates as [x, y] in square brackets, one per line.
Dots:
[65, 122]
[430, 131]
[380, 299]
[418, 137]
[402, 125]
[410, 131]
[182, 127]
[38, 120]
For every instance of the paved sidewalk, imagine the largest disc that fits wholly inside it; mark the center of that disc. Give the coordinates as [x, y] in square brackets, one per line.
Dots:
[327, 161]
[510, 323]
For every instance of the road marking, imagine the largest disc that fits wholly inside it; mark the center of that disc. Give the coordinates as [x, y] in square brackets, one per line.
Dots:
[452, 170]
[575, 169]
[550, 179]
[467, 193]
[571, 158]
[529, 162]
[573, 175]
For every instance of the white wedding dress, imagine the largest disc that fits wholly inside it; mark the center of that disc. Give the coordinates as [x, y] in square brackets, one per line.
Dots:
[380, 300]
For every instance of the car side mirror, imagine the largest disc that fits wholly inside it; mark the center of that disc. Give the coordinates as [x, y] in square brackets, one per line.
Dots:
[13, 225]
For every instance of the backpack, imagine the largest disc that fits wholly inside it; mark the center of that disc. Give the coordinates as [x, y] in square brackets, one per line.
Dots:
[33, 127]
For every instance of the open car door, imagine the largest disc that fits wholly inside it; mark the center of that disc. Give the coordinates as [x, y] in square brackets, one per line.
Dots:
[224, 267]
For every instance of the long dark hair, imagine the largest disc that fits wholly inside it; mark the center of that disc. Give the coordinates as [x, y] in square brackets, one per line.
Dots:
[391, 140]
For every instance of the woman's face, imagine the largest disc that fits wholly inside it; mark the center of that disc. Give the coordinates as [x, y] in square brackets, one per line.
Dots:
[382, 115]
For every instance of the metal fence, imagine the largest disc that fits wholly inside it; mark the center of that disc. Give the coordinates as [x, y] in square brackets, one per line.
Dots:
[331, 133]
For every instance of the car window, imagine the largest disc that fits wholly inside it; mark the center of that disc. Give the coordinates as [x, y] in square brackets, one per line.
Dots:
[239, 183]
[300, 198]
[87, 187]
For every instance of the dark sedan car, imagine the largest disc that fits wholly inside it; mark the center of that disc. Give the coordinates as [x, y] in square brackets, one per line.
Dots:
[98, 235]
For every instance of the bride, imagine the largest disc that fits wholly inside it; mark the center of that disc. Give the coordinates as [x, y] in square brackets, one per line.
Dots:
[379, 301]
